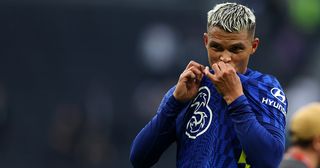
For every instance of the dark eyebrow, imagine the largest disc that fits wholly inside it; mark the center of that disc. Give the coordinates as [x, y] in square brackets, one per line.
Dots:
[215, 43]
[238, 45]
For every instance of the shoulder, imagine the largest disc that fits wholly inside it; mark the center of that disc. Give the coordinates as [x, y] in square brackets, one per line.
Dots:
[265, 89]
[261, 79]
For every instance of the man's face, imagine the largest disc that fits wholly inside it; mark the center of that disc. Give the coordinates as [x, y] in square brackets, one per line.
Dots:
[233, 48]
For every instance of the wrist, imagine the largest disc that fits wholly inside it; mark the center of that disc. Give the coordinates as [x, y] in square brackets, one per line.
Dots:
[177, 97]
[174, 103]
[230, 98]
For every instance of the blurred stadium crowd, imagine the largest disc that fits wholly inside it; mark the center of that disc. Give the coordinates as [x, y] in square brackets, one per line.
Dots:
[79, 79]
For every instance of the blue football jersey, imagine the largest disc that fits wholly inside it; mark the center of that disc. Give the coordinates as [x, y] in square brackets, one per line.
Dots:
[249, 132]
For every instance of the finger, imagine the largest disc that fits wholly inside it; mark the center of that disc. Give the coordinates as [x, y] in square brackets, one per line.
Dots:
[198, 72]
[206, 70]
[230, 68]
[208, 73]
[222, 66]
[216, 68]
[195, 64]
[195, 70]
[187, 75]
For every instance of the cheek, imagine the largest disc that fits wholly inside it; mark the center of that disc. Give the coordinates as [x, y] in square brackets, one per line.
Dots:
[240, 61]
[212, 57]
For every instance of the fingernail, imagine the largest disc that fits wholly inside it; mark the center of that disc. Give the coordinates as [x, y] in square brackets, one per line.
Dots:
[207, 68]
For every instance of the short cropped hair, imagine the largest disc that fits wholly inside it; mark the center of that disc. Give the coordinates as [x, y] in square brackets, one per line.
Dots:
[304, 126]
[232, 17]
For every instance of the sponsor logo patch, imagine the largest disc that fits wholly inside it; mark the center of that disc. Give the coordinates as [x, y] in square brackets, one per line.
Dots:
[280, 96]
[202, 114]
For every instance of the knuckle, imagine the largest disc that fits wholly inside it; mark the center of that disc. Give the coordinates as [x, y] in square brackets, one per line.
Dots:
[189, 72]
[191, 62]
[182, 75]
[191, 69]
[220, 77]
[225, 74]
[194, 70]
[231, 71]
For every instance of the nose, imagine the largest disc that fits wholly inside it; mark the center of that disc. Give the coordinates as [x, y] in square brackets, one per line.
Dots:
[225, 57]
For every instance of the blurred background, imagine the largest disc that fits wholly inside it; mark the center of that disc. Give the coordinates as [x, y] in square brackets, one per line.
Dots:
[80, 78]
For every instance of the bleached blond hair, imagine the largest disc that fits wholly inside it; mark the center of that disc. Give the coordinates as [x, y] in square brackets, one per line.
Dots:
[232, 17]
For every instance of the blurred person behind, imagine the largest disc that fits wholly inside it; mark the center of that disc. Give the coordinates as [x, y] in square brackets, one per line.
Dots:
[305, 138]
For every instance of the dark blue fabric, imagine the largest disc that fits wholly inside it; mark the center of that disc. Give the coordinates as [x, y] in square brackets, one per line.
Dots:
[209, 133]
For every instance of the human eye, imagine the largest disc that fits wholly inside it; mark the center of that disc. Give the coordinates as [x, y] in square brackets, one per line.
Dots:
[216, 47]
[236, 49]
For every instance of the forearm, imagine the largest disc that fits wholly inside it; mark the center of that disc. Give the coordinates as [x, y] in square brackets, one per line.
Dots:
[257, 140]
[157, 135]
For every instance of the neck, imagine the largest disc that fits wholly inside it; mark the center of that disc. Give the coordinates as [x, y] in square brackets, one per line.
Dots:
[309, 156]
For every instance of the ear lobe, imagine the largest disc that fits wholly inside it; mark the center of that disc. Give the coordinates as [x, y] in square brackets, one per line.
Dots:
[255, 44]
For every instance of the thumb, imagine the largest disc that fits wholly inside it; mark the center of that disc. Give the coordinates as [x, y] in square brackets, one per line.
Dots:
[208, 73]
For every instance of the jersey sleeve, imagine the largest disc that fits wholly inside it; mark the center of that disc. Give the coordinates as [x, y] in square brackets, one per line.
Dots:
[158, 134]
[259, 120]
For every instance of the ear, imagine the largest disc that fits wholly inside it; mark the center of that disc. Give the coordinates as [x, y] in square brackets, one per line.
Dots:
[205, 39]
[255, 44]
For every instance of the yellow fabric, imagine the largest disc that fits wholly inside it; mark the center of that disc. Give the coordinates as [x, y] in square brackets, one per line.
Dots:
[242, 159]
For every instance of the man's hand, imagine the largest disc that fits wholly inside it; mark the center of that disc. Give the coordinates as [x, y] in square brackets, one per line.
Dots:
[226, 80]
[189, 82]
